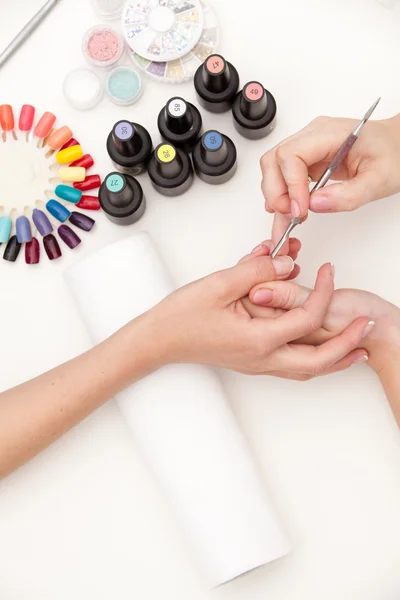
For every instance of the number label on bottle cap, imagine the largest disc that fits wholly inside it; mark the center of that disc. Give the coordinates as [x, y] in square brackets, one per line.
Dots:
[124, 130]
[254, 91]
[177, 107]
[215, 64]
[166, 153]
[212, 140]
[115, 182]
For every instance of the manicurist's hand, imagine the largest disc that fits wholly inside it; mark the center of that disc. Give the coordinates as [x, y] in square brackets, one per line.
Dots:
[369, 172]
[381, 336]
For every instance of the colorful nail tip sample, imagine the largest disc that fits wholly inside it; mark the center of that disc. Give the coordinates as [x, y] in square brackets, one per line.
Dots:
[32, 252]
[91, 182]
[89, 203]
[70, 194]
[12, 249]
[86, 162]
[58, 210]
[42, 222]
[81, 221]
[29, 209]
[23, 229]
[6, 117]
[51, 247]
[44, 125]
[26, 117]
[71, 142]
[59, 137]
[69, 236]
[69, 155]
[5, 228]
[72, 174]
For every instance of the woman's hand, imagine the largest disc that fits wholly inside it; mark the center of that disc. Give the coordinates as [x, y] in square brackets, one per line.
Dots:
[208, 322]
[369, 172]
[382, 341]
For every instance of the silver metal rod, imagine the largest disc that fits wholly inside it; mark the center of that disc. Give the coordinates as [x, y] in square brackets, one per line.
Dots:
[27, 30]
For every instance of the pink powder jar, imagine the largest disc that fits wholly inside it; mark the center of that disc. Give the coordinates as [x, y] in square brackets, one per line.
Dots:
[102, 46]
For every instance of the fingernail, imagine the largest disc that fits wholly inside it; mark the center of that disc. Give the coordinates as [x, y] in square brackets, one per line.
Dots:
[368, 328]
[257, 248]
[266, 205]
[263, 297]
[361, 359]
[320, 203]
[332, 270]
[295, 208]
[283, 265]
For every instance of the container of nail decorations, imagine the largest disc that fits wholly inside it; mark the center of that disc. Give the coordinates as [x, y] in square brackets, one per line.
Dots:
[102, 46]
[124, 86]
[45, 189]
[183, 68]
[82, 89]
[162, 31]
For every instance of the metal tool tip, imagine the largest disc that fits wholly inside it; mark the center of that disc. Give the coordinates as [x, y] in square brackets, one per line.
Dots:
[371, 110]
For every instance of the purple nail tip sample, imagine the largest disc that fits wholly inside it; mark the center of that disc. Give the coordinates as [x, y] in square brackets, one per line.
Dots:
[69, 236]
[41, 221]
[82, 221]
[51, 246]
[23, 229]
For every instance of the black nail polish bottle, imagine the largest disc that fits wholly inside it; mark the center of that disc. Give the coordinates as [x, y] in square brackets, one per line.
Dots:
[179, 122]
[129, 146]
[216, 82]
[214, 157]
[170, 170]
[122, 199]
[254, 111]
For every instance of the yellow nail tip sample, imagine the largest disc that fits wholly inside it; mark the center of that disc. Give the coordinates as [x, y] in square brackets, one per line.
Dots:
[69, 155]
[72, 174]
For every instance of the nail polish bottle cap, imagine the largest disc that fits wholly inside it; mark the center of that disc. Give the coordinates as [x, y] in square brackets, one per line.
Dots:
[253, 101]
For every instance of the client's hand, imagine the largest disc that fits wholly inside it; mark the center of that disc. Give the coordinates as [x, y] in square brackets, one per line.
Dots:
[207, 322]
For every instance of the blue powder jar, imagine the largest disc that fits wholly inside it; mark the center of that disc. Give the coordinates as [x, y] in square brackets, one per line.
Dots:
[124, 86]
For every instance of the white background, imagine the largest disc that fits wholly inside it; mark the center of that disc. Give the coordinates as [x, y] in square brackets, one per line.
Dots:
[85, 519]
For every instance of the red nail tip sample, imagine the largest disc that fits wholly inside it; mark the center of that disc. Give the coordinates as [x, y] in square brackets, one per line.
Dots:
[32, 252]
[91, 182]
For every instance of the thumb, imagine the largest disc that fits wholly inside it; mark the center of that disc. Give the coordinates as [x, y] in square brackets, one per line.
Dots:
[346, 195]
[238, 280]
[279, 294]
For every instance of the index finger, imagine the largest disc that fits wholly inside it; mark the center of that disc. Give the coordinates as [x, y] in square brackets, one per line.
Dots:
[303, 320]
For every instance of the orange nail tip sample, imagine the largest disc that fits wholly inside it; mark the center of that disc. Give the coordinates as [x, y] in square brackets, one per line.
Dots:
[44, 125]
[6, 117]
[59, 138]
[69, 155]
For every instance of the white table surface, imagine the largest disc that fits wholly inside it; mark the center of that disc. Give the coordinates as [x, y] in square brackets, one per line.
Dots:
[85, 520]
